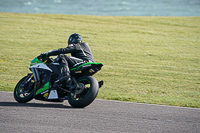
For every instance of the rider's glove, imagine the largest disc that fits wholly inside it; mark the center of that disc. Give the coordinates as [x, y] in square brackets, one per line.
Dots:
[43, 55]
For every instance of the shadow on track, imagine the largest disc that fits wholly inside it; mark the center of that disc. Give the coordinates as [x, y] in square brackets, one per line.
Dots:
[40, 105]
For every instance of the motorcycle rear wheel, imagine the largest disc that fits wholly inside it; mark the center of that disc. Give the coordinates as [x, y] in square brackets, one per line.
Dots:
[86, 92]
[24, 92]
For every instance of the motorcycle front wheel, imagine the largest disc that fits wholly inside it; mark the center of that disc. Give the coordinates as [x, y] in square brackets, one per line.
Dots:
[85, 92]
[23, 91]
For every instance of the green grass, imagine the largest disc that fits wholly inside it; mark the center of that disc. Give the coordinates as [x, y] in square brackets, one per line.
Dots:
[146, 59]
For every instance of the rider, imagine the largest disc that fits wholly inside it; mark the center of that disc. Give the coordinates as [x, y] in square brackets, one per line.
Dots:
[80, 52]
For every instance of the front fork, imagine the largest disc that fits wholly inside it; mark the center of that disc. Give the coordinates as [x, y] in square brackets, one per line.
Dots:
[31, 76]
[24, 83]
[37, 84]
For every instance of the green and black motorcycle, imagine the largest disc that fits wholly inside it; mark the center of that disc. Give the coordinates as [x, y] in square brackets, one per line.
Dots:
[80, 92]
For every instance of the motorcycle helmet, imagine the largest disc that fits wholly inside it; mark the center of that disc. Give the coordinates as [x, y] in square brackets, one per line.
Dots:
[74, 38]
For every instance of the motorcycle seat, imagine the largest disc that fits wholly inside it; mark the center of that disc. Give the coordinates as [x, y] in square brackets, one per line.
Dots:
[78, 64]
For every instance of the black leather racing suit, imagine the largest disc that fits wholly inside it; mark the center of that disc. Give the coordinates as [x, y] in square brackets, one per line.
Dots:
[80, 52]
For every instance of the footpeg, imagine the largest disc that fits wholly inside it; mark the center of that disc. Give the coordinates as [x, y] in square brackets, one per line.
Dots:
[100, 83]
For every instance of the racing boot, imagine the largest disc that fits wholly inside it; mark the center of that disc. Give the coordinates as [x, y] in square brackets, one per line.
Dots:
[63, 80]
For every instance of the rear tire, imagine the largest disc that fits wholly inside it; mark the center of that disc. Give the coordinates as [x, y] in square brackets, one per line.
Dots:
[85, 96]
[23, 94]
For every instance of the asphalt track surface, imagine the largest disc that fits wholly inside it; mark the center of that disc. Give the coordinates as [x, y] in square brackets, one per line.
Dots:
[101, 116]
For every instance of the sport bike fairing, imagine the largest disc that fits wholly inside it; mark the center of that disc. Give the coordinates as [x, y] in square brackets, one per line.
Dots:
[80, 92]
[43, 74]
[43, 91]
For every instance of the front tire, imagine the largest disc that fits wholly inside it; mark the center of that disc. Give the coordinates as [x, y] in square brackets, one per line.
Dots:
[85, 94]
[24, 91]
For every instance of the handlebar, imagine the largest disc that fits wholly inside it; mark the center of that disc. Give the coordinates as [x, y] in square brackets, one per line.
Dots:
[45, 60]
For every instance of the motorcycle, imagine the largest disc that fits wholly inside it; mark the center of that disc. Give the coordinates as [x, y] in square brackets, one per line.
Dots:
[80, 92]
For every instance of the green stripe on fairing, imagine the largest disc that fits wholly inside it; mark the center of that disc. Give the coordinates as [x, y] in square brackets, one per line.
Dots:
[89, 63]
[46, 87]
[35, 61]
